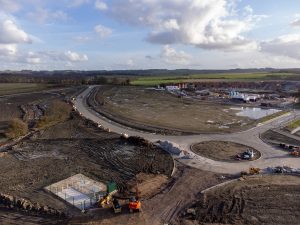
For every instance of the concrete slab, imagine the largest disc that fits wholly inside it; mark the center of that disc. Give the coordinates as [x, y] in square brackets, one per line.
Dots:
[79, 191]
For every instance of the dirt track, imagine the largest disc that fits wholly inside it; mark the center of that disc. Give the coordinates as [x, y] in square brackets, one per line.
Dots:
[222, 150]
[257, 200]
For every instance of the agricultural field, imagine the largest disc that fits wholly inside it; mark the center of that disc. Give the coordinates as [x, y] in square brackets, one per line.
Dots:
[157, 110]
[17, 88]
[157, 80]
[272, 199]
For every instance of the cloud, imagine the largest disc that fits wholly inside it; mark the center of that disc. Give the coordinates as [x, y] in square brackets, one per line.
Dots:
[81, 39]
[8, 49]
[296, 23]
[208, 24]
[100, 5]
[130, 63]
[170, 55]
[75, 57]
[287, 45]
[77, 3]
[102, 31]
[11, 34]
[10, 6]
[42, 16]
[32, 58]
[10, 54]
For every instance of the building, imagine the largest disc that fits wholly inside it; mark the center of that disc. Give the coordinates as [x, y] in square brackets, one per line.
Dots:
[234, 95]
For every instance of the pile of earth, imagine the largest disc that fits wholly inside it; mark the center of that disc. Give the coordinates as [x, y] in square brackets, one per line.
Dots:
[257, 200]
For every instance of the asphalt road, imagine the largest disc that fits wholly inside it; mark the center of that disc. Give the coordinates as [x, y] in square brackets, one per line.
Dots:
[270, 156]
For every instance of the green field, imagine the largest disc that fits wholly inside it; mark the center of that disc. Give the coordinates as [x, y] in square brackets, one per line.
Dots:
[16, 88]
[156, 80]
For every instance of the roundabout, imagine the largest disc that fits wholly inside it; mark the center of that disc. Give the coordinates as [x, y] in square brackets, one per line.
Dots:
[226, 151]
[270, 157]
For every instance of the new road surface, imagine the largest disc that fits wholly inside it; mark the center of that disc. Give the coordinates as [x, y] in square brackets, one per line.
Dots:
[271, 157]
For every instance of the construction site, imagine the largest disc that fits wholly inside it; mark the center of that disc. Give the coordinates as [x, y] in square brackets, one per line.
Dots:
[90, 168]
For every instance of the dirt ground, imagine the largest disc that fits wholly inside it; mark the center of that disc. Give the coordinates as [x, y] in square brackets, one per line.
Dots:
[72, 147]
[270, 199]
[164, 207]
[155, 110]
[9, 217]
[275, 138]
[14, 106]
[222, 150]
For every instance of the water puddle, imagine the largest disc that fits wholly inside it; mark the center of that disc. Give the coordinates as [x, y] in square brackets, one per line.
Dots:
[254, 113]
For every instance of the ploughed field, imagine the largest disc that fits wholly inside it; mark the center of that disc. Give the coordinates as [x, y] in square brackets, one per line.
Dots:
[272, 199]
[159, 111]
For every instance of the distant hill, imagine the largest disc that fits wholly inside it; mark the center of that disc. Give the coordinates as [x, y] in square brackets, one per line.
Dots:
[102, 76]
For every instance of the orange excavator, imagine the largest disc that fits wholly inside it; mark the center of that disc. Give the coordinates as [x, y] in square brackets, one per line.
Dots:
[295, 153]
[135, 204]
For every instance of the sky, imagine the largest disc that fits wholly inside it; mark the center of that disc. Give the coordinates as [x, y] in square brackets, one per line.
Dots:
[148, 34]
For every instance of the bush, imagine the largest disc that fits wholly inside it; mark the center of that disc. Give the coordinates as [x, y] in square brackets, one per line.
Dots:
[57, 112]
[17, 128]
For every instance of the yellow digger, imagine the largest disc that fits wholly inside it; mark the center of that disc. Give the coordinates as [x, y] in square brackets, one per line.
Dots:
[106, 200]
[252, 171]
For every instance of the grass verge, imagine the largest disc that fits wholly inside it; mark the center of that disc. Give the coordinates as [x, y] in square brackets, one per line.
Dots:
[273, 116]
[293, 125]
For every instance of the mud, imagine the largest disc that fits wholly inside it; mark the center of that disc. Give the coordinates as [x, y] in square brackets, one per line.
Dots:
[258, 200]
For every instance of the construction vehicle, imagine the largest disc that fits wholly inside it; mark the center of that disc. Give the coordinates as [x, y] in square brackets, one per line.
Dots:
[116, 206]
[247, 155]
[295, 153]
[106, 200]
[252, 171]
[134, 205]
[279, 169]
[134, 202]
[289, 147]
